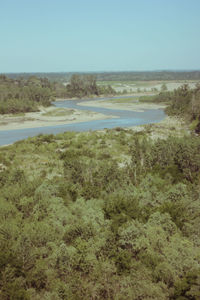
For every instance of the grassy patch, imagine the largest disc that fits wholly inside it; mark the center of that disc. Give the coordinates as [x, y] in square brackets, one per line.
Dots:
[59, 112]
[147, 99]
[124, 100]
[21, 114]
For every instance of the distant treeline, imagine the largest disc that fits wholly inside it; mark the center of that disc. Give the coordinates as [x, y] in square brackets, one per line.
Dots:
[161, 75]
[82, 86]
[116, 76]
[27, 94]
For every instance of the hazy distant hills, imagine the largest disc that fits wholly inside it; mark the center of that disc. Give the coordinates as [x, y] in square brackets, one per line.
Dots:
[116, 76]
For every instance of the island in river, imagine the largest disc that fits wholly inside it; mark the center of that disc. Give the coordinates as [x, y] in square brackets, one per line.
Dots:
[48, 116]
[52, 116]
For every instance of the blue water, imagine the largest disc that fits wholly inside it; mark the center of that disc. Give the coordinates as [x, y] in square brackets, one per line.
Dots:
[124, 119]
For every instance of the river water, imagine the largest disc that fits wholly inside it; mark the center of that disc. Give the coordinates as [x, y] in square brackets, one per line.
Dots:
[124, 118]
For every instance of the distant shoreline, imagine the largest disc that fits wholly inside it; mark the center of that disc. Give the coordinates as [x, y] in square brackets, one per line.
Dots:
[106, 96]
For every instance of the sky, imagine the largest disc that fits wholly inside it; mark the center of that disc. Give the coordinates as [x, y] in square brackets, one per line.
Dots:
[99, 35]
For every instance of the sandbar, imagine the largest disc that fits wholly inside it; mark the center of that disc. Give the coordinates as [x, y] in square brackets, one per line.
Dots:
[131, 106]
[50, 116]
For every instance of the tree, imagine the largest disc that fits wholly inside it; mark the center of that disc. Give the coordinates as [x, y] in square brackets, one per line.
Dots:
[163, 87]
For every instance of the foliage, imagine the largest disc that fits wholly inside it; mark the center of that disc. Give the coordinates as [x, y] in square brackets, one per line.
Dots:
[100, 215]
[21, 95]
[182, 102]
[80, 86]
[26, 95]
[117, 76]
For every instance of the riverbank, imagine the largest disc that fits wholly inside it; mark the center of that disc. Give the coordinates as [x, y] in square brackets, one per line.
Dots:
[123, 104]
[49, 116]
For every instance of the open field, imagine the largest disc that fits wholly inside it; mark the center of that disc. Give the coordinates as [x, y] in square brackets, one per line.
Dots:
[145, 86]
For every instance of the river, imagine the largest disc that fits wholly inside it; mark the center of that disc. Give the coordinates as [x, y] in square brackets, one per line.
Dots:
[124, 118]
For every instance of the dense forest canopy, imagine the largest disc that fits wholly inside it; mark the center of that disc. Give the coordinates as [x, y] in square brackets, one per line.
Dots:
[118, 76]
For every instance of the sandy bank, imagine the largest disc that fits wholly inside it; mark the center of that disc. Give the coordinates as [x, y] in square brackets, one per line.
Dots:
[50, 116]
[116, 104]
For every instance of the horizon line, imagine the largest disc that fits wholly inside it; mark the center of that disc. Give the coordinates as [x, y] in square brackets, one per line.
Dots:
[111, 71]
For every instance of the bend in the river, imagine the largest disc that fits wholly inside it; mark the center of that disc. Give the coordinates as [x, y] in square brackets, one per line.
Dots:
[124, 118]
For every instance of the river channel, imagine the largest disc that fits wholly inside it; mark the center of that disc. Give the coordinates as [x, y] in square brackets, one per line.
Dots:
[124, 118]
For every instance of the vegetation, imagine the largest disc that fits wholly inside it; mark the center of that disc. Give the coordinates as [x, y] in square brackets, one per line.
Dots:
[149, 75]
[100, 215]
[125, 100]
[116, 76]
[81, 86]
[183, 102]
[21, 95]
[26, 95]
[58, 112]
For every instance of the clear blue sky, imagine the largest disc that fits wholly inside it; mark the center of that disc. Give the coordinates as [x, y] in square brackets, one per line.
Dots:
[99, 35]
